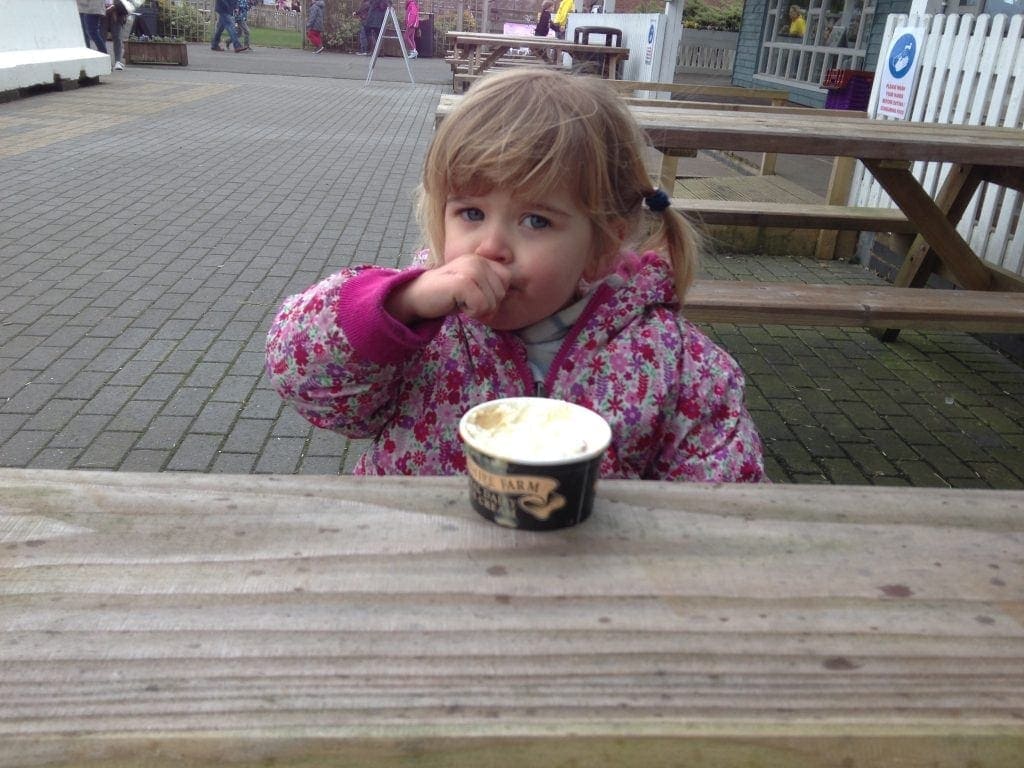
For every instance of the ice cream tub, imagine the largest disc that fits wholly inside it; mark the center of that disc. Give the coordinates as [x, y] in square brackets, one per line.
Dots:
[533, 462]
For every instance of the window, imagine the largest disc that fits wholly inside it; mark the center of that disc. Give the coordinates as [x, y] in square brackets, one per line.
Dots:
[802, 43]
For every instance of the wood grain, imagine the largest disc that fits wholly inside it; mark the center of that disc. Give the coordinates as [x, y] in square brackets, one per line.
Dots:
[201, 620]
[829, 135]
[864, 306]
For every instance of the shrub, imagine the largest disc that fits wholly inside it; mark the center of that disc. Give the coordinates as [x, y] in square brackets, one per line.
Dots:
[697, 15]
[183, 21]
[445, 23]
[341, 28]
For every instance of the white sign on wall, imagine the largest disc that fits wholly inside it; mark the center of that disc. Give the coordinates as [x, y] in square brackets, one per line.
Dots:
[899, 72]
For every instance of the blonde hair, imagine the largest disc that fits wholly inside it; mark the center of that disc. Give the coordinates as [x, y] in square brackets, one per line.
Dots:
[537, 133]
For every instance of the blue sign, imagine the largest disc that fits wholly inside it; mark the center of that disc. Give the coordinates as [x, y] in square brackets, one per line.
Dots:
[901, 59]
[650, 34]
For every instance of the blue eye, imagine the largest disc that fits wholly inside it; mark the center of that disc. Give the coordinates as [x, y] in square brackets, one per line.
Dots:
[472, 214]
[534, 221]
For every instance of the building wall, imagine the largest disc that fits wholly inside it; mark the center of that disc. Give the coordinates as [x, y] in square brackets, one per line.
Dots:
[749, 48]
[749, 44]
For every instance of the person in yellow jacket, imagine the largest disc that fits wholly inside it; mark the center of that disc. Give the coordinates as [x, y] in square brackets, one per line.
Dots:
[561, 18]
[797, 23]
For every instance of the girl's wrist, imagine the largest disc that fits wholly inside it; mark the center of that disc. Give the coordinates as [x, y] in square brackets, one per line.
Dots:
[397, 306]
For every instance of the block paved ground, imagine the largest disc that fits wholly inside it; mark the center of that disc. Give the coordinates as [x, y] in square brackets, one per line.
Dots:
[150, 226]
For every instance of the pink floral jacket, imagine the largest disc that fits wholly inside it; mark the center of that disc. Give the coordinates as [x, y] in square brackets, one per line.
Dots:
[673, 398]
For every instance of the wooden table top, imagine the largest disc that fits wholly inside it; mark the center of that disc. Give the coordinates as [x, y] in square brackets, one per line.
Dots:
[681, 127]
[183, 619]
[521, 41]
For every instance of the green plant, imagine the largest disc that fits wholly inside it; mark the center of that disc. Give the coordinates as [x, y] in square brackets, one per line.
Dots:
[342, 33]
[649, 6]
[698, 15]
[183, 21]
[134, 39]
[446, 22]
[341, 27]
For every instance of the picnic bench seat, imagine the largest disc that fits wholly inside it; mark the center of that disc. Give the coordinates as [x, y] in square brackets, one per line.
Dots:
[461, 80]
[716, 93]
[798, 215]
[866, 306]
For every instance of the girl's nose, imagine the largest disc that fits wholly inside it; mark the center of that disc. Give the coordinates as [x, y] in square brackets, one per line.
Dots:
[494, 245]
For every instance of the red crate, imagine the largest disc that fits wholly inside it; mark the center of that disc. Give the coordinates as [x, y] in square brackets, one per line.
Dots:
[840, 78]
[848, 88]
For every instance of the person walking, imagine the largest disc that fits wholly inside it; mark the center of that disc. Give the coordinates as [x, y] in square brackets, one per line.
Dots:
[315, 25]
[90, 12]
[375, 20]
[117, 15]
[242, 20]
[412, 27]
[226, 23]
[361, 13]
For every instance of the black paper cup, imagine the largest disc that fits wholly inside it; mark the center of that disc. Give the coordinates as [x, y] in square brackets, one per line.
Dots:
[533, 462]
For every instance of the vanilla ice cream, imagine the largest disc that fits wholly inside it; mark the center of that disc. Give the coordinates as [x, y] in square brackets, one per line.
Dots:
[535, 430]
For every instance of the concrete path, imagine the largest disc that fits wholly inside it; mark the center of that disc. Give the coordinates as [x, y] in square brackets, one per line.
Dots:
[150, 226]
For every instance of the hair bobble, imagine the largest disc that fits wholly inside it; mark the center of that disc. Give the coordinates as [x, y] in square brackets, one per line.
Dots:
[657, 201]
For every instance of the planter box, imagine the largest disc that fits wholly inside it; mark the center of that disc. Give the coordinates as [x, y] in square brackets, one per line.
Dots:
[155, 53]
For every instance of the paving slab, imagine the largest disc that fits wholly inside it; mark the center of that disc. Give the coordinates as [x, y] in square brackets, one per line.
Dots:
[151, 225]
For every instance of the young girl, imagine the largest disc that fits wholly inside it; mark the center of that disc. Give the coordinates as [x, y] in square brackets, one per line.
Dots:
[412, 25]
[528, 288]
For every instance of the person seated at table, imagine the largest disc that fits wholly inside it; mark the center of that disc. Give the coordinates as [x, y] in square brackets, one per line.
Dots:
[540, 277]
[797, 23]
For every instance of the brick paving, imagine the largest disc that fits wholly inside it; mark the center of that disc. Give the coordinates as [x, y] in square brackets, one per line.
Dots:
[150, 226]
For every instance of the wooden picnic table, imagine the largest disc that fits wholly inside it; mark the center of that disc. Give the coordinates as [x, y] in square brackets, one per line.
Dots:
[475, 52]
[207, 620]
[888, 149]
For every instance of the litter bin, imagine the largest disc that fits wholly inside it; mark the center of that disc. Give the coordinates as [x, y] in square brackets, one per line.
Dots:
[425, 42]
[594, 63]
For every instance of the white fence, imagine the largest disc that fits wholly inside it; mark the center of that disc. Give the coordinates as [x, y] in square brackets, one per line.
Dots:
[705, 52]
[269, 17]
[972, 73]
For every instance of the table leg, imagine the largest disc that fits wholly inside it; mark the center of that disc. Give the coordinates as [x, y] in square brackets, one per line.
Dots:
[831, 243]
[670, 166]
[936, 222]
[488, 61]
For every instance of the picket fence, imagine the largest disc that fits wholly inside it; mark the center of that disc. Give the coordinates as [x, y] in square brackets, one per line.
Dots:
[706, 52]
[972, 73]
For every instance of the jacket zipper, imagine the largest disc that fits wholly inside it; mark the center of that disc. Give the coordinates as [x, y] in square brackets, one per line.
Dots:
[599, 297]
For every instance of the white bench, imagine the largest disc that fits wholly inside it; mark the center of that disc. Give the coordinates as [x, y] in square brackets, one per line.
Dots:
[41, 43]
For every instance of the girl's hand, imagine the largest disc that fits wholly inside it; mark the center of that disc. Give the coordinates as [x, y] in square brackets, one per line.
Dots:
[470, 284]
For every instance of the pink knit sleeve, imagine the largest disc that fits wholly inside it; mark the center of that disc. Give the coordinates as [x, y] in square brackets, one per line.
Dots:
[372, 332]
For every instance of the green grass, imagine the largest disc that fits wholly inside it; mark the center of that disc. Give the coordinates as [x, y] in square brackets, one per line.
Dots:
[275, 38]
